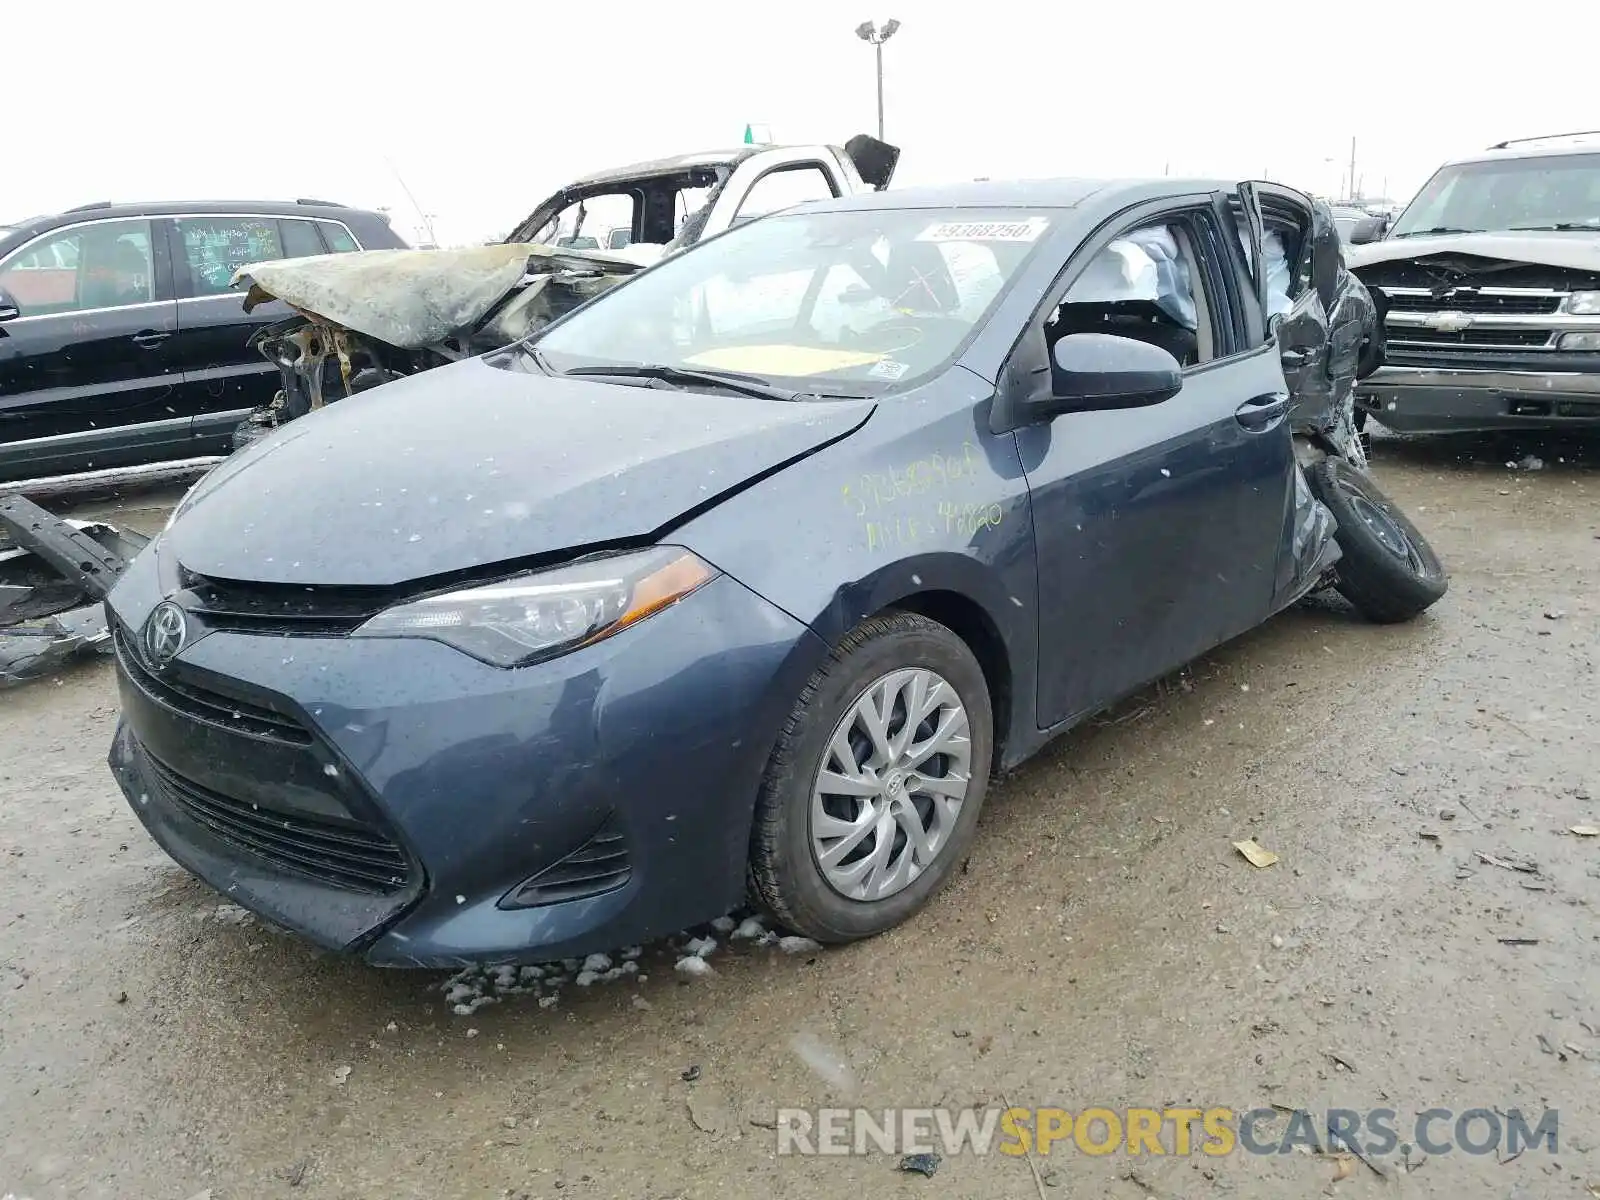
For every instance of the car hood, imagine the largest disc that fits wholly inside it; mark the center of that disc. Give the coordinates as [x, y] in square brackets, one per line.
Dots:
[1572, 250]
[475, 465]
[414, 298]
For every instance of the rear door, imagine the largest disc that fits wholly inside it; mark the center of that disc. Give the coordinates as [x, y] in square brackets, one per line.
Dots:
[223, 378]
[1157, 529]
[86, 373]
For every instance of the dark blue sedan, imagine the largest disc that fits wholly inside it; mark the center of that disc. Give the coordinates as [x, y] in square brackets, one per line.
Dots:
[740, 580]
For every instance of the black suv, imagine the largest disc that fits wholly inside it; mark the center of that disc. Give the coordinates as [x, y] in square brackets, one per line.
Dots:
[121, 344]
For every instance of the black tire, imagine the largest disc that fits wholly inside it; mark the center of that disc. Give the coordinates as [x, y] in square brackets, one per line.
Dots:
[1390, 580]
[784, 876]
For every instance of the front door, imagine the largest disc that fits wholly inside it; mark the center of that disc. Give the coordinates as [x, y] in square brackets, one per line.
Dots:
[86, 374]
[1157, 528]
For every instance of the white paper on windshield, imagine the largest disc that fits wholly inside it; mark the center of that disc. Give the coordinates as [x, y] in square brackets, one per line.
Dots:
[985, 231]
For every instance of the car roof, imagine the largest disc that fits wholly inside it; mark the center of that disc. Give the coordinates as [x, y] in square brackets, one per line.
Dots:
[674, 165]
[1019, 193]
[1533, 148]
[105, 210]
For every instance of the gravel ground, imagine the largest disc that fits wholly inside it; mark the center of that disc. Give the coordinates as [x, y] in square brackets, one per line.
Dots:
[1107, 945]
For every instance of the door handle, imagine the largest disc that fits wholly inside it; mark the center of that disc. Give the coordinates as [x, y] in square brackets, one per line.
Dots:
[1262, 412]
[1294, 358]
[149, 339]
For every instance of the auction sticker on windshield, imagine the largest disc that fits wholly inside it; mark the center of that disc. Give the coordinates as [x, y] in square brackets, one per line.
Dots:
[985, 231]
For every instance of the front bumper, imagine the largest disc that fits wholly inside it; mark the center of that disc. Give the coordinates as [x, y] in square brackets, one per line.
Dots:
[387, 797]
[1412, 399]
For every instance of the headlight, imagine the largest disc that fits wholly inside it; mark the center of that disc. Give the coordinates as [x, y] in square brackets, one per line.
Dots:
[1584, 304]
[539, 616]
[1579, 341]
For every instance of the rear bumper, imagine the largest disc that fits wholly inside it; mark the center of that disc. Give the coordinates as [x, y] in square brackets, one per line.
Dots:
[1448, 399]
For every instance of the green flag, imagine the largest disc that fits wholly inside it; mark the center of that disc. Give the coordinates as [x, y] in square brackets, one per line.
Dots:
[749, 136]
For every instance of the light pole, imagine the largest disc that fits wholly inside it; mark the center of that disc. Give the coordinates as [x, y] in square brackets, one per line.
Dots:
[868, 32]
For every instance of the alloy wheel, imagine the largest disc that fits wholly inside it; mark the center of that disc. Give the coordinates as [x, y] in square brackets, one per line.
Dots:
[886, 797]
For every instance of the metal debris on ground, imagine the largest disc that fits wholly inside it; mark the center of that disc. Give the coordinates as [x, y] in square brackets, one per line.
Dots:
[54, 574]
[1340, 1061]
[1255, 854]
[1519, 941]
[922, 1164]
[1509, 862]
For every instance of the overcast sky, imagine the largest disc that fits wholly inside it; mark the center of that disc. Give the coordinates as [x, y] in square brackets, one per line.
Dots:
[483, 108]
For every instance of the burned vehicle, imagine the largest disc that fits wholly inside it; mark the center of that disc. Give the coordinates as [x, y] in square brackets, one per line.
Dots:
[1490, 286]
[369, 319]
[54, 576]
[747, 574]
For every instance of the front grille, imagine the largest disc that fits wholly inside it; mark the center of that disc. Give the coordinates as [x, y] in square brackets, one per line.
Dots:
[1416, 335]
[1471, 301]
[598, 866]
[280, 608]
[344, 854]
[204, 704]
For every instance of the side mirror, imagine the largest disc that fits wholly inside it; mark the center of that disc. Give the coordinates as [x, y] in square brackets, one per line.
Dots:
[10, 310]
[1102, 371]
[1368, 229]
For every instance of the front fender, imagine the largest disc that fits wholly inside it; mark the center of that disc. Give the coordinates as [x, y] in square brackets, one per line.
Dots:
[922, 507]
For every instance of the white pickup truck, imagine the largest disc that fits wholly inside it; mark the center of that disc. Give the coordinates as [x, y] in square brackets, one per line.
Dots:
[370, 317]
[671, 203]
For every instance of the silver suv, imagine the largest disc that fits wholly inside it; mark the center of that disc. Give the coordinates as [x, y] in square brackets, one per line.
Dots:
[1489, 283]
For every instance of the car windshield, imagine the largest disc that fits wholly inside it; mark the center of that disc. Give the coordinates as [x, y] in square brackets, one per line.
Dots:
[1552, 192]
[827, 303]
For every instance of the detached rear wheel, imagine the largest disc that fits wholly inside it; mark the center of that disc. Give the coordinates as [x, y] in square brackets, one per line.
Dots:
[1386, 569]
[874, 789]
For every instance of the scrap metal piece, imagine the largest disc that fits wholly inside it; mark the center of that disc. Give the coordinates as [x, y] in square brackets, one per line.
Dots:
[90, 564]
[36, 648]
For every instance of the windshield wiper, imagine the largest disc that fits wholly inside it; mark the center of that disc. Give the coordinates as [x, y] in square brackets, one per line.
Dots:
[1435, 230]
[1558, 227]
[733, 381]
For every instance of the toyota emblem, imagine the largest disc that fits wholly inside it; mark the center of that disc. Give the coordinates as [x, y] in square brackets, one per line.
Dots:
[165, 633]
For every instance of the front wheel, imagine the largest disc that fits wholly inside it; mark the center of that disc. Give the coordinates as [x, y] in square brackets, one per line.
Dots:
[1386, 567]
[873, 792]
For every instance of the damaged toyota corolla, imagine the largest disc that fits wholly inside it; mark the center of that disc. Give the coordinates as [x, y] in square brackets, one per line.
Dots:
[746, 576]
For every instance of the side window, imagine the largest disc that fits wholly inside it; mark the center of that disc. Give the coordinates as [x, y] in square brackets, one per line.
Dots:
[300, 239]
[103, 265]
[782, 188]
[339, 239]
[1145, 284]
[215, 247]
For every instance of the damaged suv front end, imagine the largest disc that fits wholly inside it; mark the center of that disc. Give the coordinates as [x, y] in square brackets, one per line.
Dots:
[1489, 284]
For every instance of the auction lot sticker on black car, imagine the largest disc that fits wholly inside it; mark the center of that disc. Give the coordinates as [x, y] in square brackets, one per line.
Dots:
[985, 231]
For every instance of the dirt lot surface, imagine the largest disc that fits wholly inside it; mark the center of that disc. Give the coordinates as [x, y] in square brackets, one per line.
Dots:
[1107, 945]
